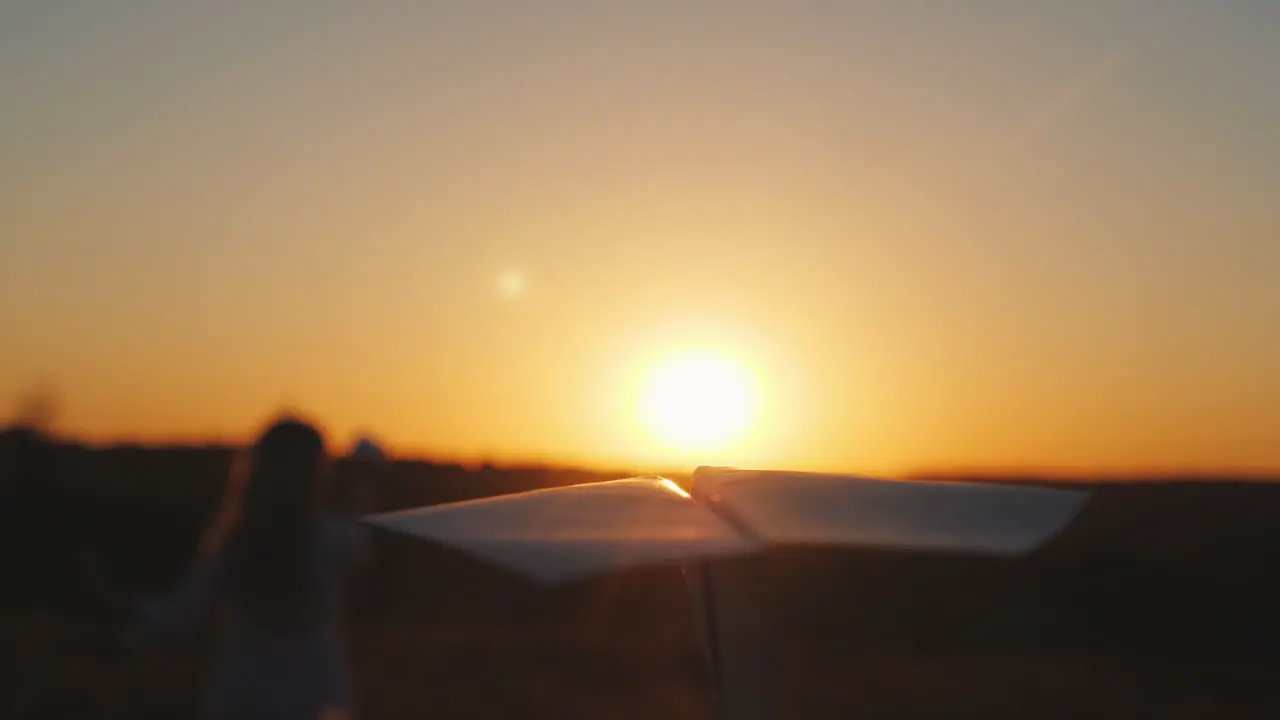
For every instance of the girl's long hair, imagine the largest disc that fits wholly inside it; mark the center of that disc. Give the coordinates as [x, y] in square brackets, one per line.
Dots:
[265, 524]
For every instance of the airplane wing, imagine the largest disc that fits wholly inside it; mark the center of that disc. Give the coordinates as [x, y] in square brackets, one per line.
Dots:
[558, 534]
[844, 510]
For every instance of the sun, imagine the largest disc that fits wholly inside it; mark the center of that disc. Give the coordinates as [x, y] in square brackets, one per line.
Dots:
[699, 401]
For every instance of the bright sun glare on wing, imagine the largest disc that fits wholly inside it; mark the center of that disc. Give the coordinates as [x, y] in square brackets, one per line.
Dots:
[699, 401]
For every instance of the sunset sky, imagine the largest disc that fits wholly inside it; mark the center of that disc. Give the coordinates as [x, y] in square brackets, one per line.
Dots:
[1019, 234]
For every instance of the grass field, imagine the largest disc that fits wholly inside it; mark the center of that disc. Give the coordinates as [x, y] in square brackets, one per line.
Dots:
[1158, 602]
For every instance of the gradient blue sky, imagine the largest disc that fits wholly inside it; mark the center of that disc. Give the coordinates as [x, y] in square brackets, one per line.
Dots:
[997, 234]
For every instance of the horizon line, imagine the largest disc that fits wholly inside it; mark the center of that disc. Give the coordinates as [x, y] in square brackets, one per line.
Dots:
[1045, 473]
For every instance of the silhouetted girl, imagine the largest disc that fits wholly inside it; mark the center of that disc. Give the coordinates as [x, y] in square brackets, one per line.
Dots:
[280, 563]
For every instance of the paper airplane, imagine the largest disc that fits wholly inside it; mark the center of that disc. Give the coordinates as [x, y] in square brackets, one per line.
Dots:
[561, 534]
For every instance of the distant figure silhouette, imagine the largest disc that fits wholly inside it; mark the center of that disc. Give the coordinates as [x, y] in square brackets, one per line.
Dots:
[280, 563]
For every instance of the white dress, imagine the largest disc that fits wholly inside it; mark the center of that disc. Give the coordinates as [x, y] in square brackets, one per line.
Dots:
[260, 671]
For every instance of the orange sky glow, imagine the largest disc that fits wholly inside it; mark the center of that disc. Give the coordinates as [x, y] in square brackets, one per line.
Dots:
[1020, 236]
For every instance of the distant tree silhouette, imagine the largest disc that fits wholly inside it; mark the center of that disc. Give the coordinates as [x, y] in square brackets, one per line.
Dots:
[37, 410]
[44, 524]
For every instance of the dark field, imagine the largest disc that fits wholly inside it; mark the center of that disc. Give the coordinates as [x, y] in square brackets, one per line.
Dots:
[1159, 601]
